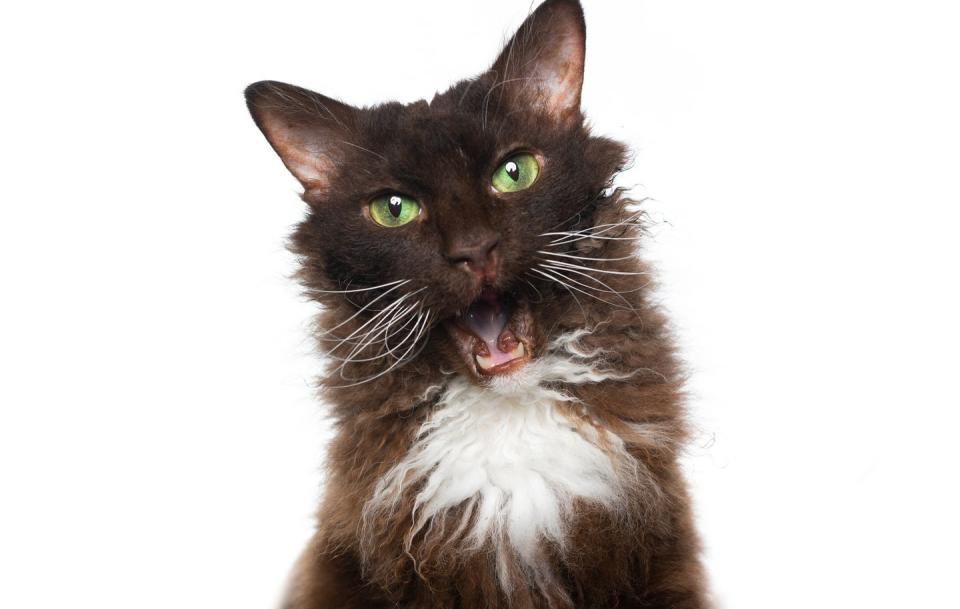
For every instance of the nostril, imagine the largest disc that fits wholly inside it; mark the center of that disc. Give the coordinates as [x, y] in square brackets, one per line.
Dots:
[476, 257]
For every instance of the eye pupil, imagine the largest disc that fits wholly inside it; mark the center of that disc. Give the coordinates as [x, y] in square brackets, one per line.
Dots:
[393, 210]
[515, 173]
[513, 170]
[395, 206]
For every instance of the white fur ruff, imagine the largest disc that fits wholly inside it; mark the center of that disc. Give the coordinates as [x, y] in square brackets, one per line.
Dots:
[509, 456]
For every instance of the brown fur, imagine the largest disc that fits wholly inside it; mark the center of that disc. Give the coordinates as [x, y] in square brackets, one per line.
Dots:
[646, 554]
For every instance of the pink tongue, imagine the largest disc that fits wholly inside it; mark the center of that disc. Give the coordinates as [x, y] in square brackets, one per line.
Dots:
[487, 319]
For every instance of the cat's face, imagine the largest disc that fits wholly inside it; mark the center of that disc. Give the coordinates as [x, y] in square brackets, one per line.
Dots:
[439, 214]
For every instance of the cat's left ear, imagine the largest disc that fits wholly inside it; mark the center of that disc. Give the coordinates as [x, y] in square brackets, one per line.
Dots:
[542, 65]
[307, 130]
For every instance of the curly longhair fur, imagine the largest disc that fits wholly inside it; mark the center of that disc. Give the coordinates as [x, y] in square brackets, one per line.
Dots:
[506, 397]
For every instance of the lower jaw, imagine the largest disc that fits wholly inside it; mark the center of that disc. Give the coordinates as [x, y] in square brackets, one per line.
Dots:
[502, 369]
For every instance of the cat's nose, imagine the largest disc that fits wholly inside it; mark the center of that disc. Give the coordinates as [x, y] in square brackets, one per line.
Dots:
[477, 257]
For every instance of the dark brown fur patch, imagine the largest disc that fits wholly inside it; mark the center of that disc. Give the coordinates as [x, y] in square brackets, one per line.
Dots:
[443, 153]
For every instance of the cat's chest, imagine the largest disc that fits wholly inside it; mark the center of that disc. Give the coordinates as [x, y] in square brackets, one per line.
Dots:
[522, 445]
[507, 464]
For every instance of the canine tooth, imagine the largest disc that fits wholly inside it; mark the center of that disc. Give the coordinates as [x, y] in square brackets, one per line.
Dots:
[518, 351]
[484, 362]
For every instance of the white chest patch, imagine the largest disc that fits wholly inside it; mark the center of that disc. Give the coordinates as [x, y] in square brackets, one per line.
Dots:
[510, 456]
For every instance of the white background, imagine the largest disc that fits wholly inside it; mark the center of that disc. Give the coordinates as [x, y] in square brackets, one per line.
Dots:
[159, 443]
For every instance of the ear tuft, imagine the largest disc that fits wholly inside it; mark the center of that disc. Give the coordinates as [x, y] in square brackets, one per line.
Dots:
[542, 65]
[306, 129]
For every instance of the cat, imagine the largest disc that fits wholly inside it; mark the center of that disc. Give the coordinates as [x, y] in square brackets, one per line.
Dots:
[506, 395]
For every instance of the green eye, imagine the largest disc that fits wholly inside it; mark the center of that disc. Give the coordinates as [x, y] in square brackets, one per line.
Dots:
[393, 210]
[516, 173]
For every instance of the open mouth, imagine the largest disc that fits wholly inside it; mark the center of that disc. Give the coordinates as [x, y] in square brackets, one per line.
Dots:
[493, 334]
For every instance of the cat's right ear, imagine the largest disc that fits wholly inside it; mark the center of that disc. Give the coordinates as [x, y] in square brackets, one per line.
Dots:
[305, 128]
[542, 65]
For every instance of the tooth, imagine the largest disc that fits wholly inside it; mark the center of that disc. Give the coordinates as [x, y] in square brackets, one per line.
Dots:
[518, 350]
[484, 362]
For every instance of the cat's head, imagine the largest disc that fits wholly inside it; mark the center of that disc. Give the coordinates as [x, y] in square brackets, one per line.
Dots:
[466, 212]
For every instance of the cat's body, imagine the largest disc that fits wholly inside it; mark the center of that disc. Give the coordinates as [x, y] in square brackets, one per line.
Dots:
[507, 401]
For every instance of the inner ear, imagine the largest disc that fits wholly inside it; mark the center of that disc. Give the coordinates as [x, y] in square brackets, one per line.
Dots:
[542, 65]
[306, 129]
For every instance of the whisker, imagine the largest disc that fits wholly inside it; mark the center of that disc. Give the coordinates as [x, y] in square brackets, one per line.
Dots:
[383, 312]
[376, 154]
[630, 257]
[382, 318]
[390, 351]
[417, 321]
[559, 270]
[584, 292]
[371, 337]
[539, 295]
[608, 289]
[589, 231]
[423, 328]
[595, 270]
[381, 354]
[565, 286]
[386, 338]
[362, 309]
[376, 287]
[582, 237]
[628, 221]
[595, 232]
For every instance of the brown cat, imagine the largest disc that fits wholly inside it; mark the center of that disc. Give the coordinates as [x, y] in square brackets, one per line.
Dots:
[507, 401]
